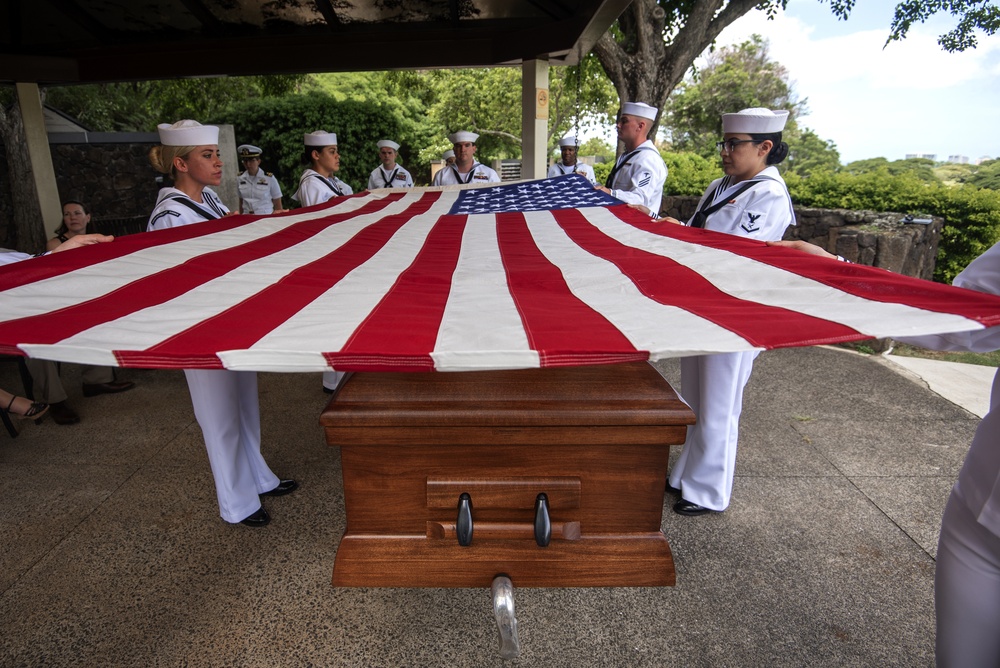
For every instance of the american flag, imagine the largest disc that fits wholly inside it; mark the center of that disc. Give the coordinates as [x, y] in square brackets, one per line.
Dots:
[535, 274]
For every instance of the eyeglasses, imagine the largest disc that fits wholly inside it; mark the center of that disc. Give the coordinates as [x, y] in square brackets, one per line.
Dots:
[730, 145]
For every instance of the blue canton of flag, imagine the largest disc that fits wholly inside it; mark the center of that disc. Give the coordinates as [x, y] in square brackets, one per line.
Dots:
[571, 191]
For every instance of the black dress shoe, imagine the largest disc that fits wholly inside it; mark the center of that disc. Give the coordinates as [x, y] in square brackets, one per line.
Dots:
[284, 487]
[683, 507]
[670, 488]
[94, 389]
[258, 519]
[327, 390]
[63, 414]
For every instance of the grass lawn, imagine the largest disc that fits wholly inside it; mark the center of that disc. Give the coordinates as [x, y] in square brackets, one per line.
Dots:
[875, 346]
[983, 359]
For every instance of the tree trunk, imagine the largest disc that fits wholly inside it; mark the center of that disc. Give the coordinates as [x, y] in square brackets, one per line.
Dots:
[27, 230]
[645, 66]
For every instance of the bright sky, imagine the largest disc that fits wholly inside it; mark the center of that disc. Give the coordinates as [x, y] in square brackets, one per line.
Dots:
[911, 97]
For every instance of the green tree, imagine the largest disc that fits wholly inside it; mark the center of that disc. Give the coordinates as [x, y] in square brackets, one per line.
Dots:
[920, 168]
[972, 215]
[735, 77]
[654, 42]
[738, 77]
[279, 123]
[808, 153]
[689, 173]
[986, 175]
[139, 106]
[952, 173]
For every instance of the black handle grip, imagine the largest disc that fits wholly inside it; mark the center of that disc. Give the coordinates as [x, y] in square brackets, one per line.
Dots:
[463, 527]
[543, 525]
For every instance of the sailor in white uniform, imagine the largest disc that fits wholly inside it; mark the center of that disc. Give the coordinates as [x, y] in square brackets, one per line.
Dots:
[318, 183]
[448, 157]
[465, 169]
[225, 402]
[639, 173]
[967, 577]
[260, 191]
[750, 201]
[389, 174]
[570, 164]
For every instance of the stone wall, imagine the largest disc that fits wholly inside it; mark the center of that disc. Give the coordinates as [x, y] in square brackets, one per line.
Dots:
[115, 180]
[883, 240]
[107, 171]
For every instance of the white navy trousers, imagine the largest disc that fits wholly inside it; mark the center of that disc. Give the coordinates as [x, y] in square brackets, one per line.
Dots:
[228, 412]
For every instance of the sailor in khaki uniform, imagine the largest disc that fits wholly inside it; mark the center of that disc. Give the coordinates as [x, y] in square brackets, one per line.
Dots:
[318, 183]
[639, 173]
[259, 190]
[389, 174]
[569, 163]
[750, 201]
[465, 169]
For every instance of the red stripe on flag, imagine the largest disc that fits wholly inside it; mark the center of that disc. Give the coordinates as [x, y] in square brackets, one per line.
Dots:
[165, 285]
[658, 278]
[871, 283]
[407, 319]
[243, 324]
[560, 326]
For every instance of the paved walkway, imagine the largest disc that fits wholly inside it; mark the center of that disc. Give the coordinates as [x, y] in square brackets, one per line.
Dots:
[114, 554]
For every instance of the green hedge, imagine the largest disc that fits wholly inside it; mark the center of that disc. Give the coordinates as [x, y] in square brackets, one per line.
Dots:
[971, 215]
[276, 125]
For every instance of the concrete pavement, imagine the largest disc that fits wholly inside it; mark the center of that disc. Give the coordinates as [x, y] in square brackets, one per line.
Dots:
[114, 554]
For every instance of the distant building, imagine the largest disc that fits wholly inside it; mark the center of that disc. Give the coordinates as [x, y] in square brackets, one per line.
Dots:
[983, 159]
[959, 159]
[928, 156]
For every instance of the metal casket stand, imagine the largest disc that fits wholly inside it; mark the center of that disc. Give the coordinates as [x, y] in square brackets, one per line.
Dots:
[533, 478]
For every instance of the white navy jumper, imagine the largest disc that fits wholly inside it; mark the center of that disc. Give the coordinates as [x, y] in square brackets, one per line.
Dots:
[559, 169]
[397, 178]
[258, 192]
[638, 177]
[225, 402]
[450, 176]
[967, 581]
[713, 384]
[316, 189]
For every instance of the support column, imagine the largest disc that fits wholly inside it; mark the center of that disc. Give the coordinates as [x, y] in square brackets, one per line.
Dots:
[30, 102]
[534, 118]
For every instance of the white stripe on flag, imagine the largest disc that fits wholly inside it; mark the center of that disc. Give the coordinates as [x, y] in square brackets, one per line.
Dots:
[148, 327]
[754, 281]
[647, 324]
[326, 324]
[480, 314]
[102, 278]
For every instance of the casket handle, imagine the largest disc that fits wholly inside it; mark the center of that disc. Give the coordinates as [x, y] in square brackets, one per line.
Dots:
[463, 526]
[543, 525]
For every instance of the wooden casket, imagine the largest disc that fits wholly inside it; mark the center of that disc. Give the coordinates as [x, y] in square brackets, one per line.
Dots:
[553, 477]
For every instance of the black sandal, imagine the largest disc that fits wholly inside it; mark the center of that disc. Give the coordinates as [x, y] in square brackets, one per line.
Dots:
[34, 412]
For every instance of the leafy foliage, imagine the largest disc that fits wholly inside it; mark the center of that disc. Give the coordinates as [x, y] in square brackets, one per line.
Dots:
[736, 78]
[139, 106]
[689, 173]
[920, 168]
[972, 215]
[973, 15]
[277, 125]
[986, 175]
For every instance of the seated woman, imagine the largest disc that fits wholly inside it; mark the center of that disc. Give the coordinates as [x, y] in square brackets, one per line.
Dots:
[76, 221]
